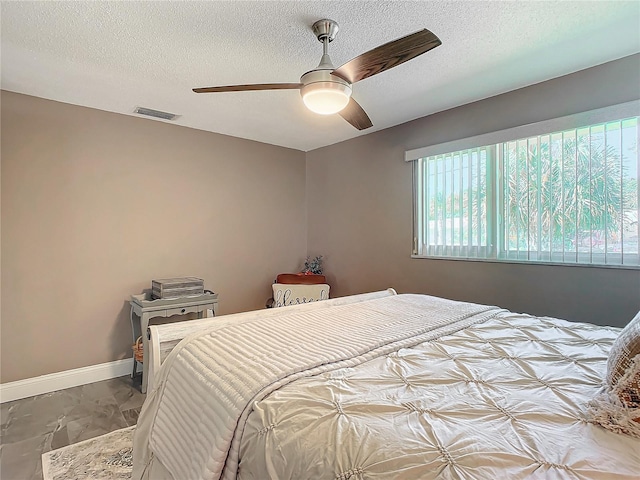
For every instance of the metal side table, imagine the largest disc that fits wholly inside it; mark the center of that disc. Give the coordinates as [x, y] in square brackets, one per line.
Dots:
[143, 308]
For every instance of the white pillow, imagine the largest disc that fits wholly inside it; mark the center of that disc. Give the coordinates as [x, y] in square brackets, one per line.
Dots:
[293, 294]
[617, 408]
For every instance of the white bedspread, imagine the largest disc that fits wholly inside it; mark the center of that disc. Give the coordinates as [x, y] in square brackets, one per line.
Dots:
[403, 387]
[194, 419]
[503, 399]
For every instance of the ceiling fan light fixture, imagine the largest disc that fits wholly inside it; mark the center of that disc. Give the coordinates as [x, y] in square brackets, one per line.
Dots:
[326, 98]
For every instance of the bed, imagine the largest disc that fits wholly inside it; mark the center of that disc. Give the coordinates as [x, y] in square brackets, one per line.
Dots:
[380, 386]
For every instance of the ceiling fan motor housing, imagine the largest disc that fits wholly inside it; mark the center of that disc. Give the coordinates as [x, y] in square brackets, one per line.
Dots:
[324, 76]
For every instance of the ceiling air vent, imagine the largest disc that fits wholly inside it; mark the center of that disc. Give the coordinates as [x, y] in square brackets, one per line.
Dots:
[155, 113]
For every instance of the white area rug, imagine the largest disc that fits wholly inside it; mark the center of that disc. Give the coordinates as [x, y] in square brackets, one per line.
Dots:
[107, 457]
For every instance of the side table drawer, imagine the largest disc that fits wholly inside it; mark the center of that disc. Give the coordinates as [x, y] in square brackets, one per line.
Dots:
[181, 310]
[205, 307]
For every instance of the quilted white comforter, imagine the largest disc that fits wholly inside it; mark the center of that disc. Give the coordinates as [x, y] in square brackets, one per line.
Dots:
[403, 387]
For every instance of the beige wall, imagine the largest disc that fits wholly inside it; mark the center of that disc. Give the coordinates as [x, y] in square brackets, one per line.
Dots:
[360, 206]
[93, 208]
[95, 205]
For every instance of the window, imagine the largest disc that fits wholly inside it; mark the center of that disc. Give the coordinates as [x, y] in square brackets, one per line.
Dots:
[538, 194]
[455, 197]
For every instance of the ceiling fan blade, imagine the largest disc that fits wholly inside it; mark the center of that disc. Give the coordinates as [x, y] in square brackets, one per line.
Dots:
[355, 115]
[244, 88]
[387, 56]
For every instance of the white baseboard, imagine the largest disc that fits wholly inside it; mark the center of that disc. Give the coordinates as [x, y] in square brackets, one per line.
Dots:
[70, 378]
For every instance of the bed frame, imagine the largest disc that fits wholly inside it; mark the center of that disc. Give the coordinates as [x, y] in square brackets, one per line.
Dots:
[164, 338]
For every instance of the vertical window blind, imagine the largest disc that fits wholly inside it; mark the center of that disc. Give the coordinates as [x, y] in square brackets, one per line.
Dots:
[572, 196]
[566, 196]
[454, 203]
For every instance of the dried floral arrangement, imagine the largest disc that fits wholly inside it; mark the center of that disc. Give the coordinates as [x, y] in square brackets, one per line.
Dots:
[313, 265]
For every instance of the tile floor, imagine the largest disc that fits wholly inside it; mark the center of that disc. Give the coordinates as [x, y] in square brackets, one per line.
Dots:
[34, 425]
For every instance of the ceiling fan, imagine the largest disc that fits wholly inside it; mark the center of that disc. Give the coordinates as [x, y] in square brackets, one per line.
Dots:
[327, 90]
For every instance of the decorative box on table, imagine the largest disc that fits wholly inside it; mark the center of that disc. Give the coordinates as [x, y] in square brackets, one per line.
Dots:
[177, 287]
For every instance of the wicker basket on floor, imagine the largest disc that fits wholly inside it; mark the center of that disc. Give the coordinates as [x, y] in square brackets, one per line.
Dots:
[138, 350]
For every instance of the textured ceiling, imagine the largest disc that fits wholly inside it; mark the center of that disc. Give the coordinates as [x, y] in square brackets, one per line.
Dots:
[115, 56]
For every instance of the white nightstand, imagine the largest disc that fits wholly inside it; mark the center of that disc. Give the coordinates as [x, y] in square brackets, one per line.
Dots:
[143, 308]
